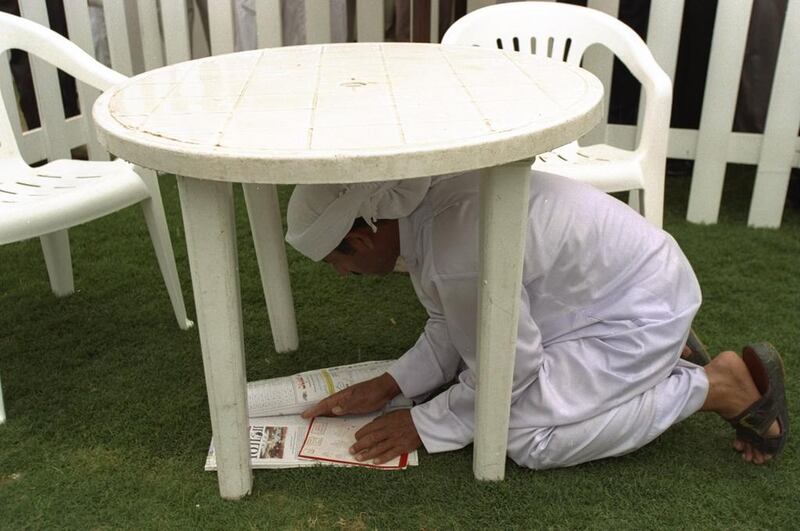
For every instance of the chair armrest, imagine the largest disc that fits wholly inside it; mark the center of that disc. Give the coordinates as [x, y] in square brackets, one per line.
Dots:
[19, 33]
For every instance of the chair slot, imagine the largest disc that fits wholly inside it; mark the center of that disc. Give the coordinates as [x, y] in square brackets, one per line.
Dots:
[515, 40]
[28, 184]
[499, 43]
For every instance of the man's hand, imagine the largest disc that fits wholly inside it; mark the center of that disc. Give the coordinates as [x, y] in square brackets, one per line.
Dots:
[364, 397]
[386, 437]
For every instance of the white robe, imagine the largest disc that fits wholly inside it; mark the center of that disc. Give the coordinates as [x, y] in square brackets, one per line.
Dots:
[605, 307]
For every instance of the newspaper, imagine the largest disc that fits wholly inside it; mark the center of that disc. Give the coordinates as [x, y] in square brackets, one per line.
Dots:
[291, 441]
[274, 443]
[291, 395]
[281, 438]
[328, 441]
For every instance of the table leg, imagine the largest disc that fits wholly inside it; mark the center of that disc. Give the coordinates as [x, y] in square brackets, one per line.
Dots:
[208, 218]
[265, 224]
[504, 214]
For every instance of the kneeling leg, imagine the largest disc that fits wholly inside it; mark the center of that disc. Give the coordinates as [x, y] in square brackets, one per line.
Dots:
[618, 431]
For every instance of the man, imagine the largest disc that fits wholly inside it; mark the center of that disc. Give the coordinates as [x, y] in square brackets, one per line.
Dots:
[606, 305]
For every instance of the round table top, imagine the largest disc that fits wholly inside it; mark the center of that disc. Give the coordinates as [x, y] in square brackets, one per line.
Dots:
[346, 112]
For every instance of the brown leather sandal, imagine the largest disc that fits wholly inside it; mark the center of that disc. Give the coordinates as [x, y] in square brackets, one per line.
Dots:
[697, 350]
[751, 425]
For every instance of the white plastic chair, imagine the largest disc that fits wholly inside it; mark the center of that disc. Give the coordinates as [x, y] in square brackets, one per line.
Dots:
[564, 32]
[47, 200]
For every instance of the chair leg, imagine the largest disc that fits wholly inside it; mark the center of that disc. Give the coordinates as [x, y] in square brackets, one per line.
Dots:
[635, 200]
[265, 223]
[653, 201]
[156, 221]
[2, 407]
[55, 247]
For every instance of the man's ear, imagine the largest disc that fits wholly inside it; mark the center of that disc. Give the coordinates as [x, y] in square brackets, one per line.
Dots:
[361, 239]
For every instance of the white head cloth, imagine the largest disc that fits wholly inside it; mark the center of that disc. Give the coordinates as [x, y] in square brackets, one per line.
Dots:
[320, 215]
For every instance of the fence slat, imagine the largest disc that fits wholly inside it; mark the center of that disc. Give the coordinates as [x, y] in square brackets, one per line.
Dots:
[48, 92]
[600, 62]
[338, 21]
[435, 15]
[269, 31]
[663, 39]
[118, 38]
[318, 22]
[719, 105]
[664, 34]
[780, 133]
[152, 52]
[80, 32]
[135, 45]
[221, 27]
[9, 100]
[472, 5]
[369, 21]
[177, 40]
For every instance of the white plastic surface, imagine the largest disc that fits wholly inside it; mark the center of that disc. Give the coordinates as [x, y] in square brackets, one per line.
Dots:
[346, 112]
[208, 209]
[565, 31]
[719, 106]
[341, 113]
[780, 140]
[504, 209]
[47, 200]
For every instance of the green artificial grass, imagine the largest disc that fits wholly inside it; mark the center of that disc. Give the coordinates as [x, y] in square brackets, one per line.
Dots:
[108, 422]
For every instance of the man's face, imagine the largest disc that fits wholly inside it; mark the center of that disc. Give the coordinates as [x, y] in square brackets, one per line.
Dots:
[373, 253]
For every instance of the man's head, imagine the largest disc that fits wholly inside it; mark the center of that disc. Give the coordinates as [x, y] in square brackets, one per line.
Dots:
[322, 222]
[367, 252]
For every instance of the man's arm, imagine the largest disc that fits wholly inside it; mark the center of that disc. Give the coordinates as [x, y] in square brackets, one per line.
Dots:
[447, 422]
[432, 362]
[429, 364]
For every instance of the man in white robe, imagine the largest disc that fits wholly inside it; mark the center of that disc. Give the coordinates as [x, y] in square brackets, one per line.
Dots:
[606, 305]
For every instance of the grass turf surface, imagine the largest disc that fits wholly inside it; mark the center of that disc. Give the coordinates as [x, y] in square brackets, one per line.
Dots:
[108, 422]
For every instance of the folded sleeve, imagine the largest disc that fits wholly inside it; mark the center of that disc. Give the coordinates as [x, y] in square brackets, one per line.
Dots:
[447, 422]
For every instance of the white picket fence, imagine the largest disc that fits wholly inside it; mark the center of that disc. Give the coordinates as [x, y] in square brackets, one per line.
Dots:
[146, 34]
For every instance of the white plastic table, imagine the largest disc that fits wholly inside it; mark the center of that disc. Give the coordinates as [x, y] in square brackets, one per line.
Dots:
[344, 113]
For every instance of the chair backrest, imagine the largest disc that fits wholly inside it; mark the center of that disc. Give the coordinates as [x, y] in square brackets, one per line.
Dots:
[560, 31]
[19, 33]
[564, 32]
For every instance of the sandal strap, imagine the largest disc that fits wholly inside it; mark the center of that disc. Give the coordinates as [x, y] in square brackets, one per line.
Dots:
[758, 417]
[768, 445]
[698, 352]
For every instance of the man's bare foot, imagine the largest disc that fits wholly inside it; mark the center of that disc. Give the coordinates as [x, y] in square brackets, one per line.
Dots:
[731, 391]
